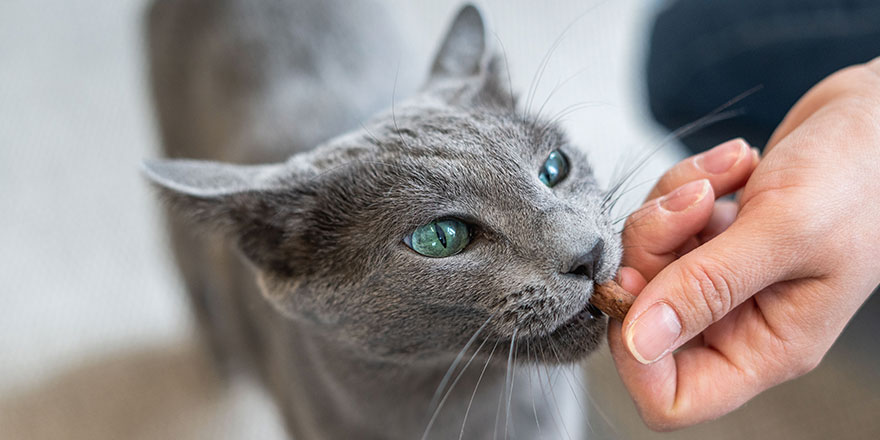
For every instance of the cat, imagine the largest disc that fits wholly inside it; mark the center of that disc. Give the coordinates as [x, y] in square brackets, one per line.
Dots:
[425, 274]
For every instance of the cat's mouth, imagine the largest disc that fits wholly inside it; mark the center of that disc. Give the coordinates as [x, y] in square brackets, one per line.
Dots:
[586, 316]
[590, 310]
[568, 342]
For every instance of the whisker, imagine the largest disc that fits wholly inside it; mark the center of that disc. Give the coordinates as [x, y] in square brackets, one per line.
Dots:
[716, 115]
[553, 395]
[609, 205]
[533, 87]
[504, 388]
[555, 352]
[666, 141]
[479, 379]
[451, 386]
[531, 392]
[370, 134]
[675, 254]
[643, 210]
[544, 395]
[558, 117]
[448, 375]
[393, 115]
[512, 380]
[599, 410]
[572, 377]
[556, 88]
[507, 67]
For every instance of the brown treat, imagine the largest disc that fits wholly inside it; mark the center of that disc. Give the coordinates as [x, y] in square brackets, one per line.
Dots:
[612, 300]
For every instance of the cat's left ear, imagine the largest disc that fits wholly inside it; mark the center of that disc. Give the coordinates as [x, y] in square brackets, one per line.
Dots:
[240, 201]
[467, 58]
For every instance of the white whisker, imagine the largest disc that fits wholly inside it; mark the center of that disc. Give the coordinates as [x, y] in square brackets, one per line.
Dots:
[512, 379]
[435, 400]
[479, 379]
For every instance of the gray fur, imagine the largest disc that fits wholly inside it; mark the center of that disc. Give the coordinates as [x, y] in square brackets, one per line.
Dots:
[350, 330]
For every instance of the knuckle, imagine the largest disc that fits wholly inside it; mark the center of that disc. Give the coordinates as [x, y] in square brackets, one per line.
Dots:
[659, 421]
[873, 66]
[790, 362]
[856, 83]
[851, 78]
[658, 425]
[806, 364]
[710, 290]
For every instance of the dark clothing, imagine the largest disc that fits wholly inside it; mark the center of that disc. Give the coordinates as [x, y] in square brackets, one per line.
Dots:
[704, 52]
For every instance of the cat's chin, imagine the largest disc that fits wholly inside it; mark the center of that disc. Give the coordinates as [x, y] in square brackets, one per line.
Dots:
[568, 343]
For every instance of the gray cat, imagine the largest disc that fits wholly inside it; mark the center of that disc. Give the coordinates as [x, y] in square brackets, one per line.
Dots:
[421, 275]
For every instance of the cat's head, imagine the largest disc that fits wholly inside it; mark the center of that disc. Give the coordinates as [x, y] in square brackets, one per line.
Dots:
[450, 215]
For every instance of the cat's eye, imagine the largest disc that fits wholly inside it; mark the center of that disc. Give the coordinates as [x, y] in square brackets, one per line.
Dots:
[440, 238]
[555, 169]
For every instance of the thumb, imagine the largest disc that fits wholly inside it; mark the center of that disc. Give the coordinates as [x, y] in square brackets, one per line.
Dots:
[703, 286]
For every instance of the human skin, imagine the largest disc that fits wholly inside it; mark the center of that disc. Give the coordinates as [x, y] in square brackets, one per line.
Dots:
[735, 298]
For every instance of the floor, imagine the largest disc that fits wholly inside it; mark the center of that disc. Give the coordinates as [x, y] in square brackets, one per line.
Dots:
[96, 339]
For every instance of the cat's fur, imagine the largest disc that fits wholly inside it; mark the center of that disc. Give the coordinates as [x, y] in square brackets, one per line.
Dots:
[350, 330]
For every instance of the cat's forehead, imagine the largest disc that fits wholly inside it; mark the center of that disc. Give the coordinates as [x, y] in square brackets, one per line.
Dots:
[459, 160]
[430, 128]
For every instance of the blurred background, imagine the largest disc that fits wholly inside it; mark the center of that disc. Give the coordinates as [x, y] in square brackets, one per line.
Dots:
[96, 341]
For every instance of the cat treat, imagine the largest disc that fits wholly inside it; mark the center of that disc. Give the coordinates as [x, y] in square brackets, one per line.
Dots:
[612, 300]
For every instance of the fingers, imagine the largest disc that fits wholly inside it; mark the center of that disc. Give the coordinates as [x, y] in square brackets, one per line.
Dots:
[694, 385]
[727, 167]
[741, 355]
[658, 232]
[703, 286]
[631, 280]
[761, 301]
[654, 233]
[666, 228]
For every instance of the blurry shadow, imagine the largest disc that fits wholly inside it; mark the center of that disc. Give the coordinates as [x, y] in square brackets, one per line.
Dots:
[152, 393]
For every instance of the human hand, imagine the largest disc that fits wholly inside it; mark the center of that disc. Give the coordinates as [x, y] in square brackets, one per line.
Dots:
[754, 294]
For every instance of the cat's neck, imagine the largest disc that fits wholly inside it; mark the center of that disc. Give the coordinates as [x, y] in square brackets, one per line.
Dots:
[336, 393]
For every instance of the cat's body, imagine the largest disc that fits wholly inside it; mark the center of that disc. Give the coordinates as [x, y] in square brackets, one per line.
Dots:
[350, 331]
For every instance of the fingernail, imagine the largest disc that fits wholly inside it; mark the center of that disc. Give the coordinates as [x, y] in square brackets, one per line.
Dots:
[685, 196]
[723, 157]
[653, 333]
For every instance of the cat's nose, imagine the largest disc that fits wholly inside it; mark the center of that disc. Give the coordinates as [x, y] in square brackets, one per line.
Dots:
[586, 264]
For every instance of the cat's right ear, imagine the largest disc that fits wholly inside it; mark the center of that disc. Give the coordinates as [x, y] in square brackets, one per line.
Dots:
[467, 58]
[463, 52]
[241, 201]
[210, 181]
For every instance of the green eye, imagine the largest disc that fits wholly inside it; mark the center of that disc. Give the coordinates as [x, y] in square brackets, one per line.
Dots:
[555, 169]
[440, 238]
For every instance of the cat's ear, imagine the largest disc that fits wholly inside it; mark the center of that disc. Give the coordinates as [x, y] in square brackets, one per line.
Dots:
[468, 56]
[241, 201]
[463, 51]
[210, 180]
